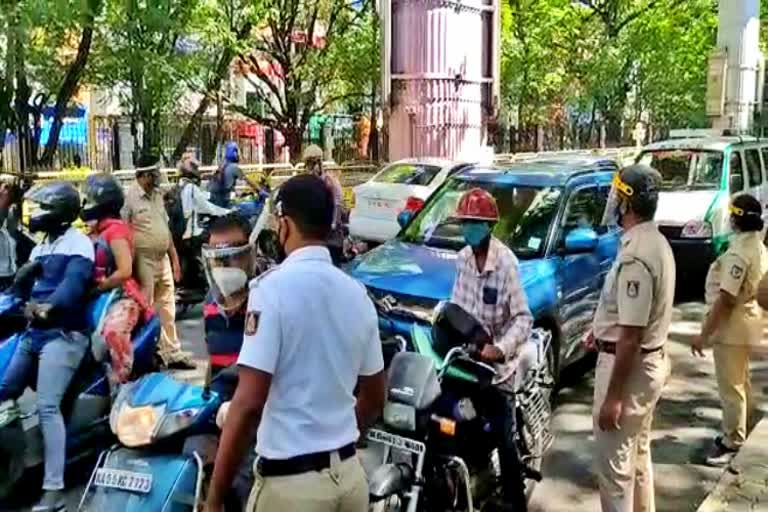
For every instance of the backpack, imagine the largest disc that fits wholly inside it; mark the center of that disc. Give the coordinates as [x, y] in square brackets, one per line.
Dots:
[173, 207]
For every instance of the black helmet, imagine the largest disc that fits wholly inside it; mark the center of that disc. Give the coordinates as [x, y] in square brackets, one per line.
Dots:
[638, 187]
[190, 168]
[58, 205]
[103, 198]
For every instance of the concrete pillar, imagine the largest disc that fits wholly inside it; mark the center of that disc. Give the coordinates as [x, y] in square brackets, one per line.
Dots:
[739, 36]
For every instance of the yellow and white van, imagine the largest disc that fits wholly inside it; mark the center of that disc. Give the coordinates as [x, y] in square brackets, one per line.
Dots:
[700, 176]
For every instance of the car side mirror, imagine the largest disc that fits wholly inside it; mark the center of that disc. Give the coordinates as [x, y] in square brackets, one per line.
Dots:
[736, 183]
[404, 218]
[581, 240]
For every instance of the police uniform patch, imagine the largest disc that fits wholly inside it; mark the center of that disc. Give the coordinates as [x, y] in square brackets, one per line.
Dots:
[633, 289]
[736, 272]
[251, 322]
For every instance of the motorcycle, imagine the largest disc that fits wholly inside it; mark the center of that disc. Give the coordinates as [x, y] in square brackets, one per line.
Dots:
[86, 402]
[436, 451]
[163, 426]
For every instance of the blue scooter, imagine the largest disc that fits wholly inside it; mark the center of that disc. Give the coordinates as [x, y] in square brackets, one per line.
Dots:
[86, 403]
[154, 468]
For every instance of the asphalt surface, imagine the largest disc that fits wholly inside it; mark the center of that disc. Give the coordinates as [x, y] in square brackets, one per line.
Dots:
[686, 421]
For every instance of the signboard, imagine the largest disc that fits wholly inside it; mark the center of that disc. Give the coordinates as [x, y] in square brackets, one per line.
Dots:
[716, 76]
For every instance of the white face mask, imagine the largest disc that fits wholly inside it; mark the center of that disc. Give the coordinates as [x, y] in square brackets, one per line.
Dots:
[229, 280]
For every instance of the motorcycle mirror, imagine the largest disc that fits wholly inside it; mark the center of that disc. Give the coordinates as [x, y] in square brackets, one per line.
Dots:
[268, 244]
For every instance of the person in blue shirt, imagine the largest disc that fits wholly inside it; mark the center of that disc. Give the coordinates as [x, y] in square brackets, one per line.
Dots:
[53, 347]
[223, 182]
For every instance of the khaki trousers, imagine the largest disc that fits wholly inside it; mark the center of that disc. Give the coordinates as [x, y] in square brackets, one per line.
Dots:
[623, 457]
[156, 279]
[341, 488]
[735, 387]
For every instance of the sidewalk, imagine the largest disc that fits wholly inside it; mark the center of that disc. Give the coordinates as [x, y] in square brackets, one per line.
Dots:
[743, 487]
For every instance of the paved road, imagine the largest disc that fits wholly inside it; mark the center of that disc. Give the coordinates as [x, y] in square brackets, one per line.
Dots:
[686, 421]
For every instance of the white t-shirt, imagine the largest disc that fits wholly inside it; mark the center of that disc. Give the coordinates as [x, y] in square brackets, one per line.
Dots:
[316, 331]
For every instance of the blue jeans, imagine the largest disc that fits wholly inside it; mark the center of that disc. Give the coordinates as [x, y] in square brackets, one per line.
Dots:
[53, 361]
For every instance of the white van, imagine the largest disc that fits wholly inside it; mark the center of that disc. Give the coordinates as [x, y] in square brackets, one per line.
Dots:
[700, 176]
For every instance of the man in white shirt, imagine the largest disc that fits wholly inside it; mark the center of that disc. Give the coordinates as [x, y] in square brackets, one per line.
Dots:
[311, 338]
[194, 200]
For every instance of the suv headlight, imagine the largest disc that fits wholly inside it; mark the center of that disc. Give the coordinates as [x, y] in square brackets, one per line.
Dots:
[697, 229]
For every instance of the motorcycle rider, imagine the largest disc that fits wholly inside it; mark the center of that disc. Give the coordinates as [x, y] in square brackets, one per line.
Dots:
[488, 287]
[222, 183]
[113, 268]
[313, 164]
[230, 262]
[54, 343]
[194, 203]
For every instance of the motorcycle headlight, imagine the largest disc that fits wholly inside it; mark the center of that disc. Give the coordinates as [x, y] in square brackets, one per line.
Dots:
[697, 229]
[177, 421]
[400, 416]
[135, 426]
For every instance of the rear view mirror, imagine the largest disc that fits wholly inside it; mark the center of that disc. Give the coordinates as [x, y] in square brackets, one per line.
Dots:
[581, 240]
[404, 218]
[736, 183]
[268, 244]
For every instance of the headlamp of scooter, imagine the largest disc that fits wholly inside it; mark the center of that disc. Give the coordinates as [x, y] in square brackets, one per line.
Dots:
[135, 426]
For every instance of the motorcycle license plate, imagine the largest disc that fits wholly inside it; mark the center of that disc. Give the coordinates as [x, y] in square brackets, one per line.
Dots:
[399, 442]
[123, 480]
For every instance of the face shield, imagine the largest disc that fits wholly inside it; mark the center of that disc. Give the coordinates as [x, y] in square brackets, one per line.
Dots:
[617, 201]
[228, 270]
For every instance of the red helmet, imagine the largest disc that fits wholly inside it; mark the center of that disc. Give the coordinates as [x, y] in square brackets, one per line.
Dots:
[477, 204]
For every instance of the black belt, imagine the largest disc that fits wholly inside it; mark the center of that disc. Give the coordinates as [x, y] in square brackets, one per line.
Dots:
[301, 464]
[609, 347]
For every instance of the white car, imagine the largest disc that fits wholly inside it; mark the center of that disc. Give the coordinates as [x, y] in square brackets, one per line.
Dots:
[378, 201]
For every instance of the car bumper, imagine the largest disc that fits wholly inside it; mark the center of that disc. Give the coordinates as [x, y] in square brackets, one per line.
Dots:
[372, 229]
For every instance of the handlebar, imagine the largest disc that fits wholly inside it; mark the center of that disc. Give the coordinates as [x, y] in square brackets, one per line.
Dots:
[466, 353]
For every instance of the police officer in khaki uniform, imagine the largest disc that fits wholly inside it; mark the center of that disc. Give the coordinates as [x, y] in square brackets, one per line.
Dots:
[156, 263]
[630, 329]
[734, 323]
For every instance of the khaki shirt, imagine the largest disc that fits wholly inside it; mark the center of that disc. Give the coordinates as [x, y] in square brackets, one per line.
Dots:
[146, 214]
[639, 290]
[738, 271]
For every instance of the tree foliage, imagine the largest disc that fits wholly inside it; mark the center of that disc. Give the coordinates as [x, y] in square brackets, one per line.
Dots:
[307, 55]
[608, 62]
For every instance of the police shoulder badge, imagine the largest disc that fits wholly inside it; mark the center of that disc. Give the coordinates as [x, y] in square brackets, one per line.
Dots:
[633, 289]
[251, 322]
[736, 272]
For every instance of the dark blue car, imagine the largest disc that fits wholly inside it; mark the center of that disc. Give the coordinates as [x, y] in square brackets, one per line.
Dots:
[551, 217]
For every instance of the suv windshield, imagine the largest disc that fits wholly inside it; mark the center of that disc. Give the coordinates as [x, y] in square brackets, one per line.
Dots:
[408, 174]
[686, 169]
[526, 217]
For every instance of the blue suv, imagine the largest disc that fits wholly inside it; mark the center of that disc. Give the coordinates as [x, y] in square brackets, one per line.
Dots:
[551, 217]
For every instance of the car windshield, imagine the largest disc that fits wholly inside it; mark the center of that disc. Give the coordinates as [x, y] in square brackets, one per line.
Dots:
[526, 215]
[408, 174]
[686, 169]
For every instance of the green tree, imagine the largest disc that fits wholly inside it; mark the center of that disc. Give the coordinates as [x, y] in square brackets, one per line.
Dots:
[298, 65]
[44, 58]
[148, 55]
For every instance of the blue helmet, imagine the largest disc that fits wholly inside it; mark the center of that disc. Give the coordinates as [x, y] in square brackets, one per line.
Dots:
[231, 153]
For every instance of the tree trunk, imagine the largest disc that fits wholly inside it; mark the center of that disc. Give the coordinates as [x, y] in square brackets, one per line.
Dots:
[212, 87]
[293, 140]
[67, 90]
